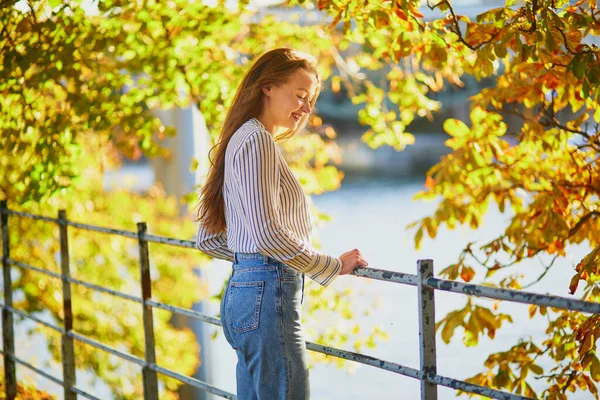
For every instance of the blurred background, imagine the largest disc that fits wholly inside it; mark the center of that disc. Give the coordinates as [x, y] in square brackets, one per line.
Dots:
[370, 210]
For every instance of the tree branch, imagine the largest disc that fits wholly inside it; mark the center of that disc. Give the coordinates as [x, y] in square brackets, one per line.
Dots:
[539, 278]
[568, 383]
[458, 32]
[565, 41]
[534, 9]
[582, 221]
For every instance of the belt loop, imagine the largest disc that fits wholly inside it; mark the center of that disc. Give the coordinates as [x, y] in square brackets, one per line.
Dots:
[235, 257]
[265, 259]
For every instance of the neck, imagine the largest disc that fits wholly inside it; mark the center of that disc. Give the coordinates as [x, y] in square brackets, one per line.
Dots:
[269, 124]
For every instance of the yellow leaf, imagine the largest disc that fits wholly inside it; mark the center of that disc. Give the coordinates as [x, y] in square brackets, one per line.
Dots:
[595, 369]
[532, 310]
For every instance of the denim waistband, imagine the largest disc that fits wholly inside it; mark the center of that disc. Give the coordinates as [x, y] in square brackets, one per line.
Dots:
[266, 260]
[254, 256]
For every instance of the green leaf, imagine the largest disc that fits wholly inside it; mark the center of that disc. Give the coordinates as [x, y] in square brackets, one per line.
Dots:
[455, 127]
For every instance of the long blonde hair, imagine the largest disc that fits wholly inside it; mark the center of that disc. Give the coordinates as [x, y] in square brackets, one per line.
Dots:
[272, 68]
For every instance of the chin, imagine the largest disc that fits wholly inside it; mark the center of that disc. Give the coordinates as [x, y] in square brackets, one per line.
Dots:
[292, 124]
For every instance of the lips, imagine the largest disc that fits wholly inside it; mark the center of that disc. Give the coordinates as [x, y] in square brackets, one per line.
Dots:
[296, 116]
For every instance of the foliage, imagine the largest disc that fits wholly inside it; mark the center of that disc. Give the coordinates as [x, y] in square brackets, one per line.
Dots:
[24, 391]
[543, 173]
[101, 317]
[73, 84]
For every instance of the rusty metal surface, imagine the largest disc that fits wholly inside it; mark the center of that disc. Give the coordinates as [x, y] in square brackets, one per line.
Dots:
[106, 290]
[67, 347]
[364, 359]
[194, 382]
[189, 244]
[31, 267]
[427, 350]
[32, 216]
[183, 311]
[149, 376]
[108, 349]
[517, 296]
[469, 387]
[110, 231]
[386, 276]
[31, 317]
[8, 330]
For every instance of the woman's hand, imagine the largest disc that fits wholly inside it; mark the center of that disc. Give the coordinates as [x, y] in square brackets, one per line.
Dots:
[351, 260]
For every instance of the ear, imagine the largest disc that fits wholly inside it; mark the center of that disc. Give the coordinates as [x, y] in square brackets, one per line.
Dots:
[266, 90]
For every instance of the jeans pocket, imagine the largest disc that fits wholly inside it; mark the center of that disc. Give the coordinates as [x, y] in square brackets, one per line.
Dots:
[244, 304]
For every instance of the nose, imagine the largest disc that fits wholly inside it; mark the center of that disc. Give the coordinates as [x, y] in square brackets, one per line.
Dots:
[306, 108]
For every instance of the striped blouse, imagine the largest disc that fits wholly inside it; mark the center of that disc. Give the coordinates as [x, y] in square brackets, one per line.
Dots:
[266, 210]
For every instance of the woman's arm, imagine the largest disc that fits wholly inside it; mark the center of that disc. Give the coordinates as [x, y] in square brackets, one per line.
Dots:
[215, 245]
[257, 167]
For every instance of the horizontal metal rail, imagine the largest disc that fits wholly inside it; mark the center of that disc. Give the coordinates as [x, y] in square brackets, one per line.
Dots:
[188, 244]
[472, 388]
[32, 268]
[386, 276]
[31, 317]
[110, 231]
[370, 273]
[183, 311]
[517, 296]
[76, 281]
[193, 382]
[106, 290]
[32, 216]
[364, 359]
[48, 376]
[108, 349]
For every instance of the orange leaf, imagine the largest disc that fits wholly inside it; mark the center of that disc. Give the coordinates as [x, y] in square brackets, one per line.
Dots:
[401, 14]
[467, 274]
[429, 182]
[417, 13]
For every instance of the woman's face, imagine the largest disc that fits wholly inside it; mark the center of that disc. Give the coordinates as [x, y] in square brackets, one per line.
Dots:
[286, 104]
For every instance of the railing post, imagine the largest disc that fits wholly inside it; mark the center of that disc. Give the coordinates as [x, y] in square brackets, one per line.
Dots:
[149, 376]
[68, 349]
[8, 332]
[426, 329]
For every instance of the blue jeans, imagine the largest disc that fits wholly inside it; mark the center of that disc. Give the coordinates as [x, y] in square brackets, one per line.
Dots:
[261, 316]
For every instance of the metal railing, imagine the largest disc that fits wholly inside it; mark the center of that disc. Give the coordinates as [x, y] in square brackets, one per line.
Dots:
[424, 281]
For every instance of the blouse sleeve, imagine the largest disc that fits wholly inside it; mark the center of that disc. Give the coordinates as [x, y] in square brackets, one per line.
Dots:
[256, 165]
[215, 245]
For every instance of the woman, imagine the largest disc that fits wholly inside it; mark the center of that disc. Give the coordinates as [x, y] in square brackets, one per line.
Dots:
[253, 212]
